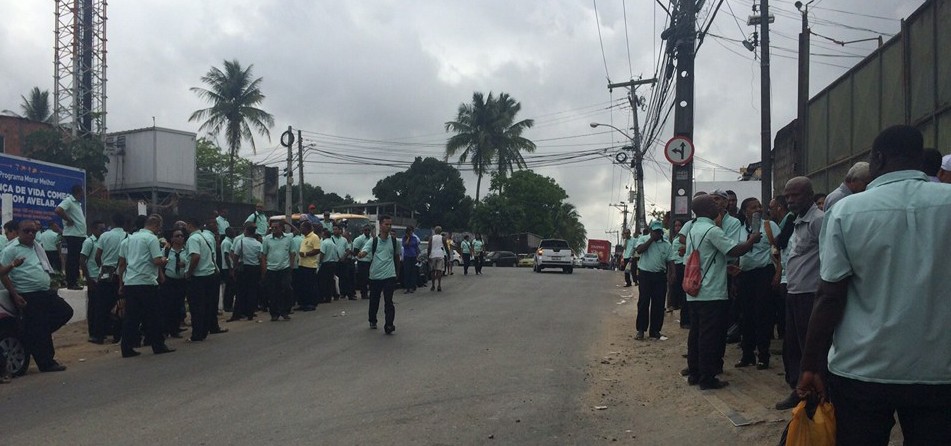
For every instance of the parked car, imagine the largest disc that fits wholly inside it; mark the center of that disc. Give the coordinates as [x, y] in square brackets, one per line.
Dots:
[576, 260]
[526, 260]
[500, 258]
[591, 260]
[11, 337]
[554, 253]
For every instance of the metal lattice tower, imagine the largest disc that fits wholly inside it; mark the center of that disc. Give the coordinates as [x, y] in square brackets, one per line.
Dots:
[79, 67]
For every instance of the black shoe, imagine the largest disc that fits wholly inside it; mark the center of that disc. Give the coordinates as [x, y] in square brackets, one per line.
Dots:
[762, 365]
[130, 354]
[54, 367]
[744, 363]
[639, 336]
[163, 350]
[685, 372]
[389, 329]
[791, 401]
[713, 384]
[99, 341]
[250, 318]
[219, 331]
[627, 285]
[286, 317]
[692, 380]
[372, 325]
[274, 318]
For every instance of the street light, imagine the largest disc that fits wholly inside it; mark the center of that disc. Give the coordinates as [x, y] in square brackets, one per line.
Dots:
[637, 163]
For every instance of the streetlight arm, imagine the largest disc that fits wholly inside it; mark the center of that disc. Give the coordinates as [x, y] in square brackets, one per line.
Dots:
[597, 124]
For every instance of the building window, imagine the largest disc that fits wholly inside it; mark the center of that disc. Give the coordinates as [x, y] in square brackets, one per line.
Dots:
[3, 148]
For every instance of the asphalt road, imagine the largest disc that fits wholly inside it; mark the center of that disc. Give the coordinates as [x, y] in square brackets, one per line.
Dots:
[496, 358]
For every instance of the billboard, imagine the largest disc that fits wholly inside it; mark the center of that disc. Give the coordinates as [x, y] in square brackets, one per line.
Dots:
[35, 188]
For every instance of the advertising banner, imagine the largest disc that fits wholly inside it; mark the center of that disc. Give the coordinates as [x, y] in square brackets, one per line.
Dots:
[36, 187]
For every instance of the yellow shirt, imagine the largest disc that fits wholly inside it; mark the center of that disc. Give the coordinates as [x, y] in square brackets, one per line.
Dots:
[310, 243]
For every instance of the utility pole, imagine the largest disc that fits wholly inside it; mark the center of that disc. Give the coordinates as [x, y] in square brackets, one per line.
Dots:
[802, 111]
[637, 162]
[287, 140]
[766, 178]
[623, 208]
[300, 167]
[685, 36]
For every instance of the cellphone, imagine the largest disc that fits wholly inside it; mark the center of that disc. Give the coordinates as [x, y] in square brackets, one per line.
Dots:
[756, 221]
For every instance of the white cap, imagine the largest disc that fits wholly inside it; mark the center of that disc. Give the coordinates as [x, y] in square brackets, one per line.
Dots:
[946, 163]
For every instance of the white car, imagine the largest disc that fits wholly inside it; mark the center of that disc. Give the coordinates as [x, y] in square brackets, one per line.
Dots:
[591, 260]
[554, 253]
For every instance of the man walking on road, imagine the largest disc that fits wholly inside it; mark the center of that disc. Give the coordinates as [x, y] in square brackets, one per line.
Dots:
[74, 233]
[802, 278]
[884, 303]
[363, 263]
[652, 290]
[276, 259]
[384, 253]
[628, 257]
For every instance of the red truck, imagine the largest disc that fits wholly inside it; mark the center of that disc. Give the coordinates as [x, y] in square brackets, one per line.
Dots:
[603, 249]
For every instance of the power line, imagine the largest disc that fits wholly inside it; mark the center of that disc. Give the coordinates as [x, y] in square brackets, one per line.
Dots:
[604, 58]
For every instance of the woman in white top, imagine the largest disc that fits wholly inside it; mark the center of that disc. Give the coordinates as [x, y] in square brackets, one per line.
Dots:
[437, 257]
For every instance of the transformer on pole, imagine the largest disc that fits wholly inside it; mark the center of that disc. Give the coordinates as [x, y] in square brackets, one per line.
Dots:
[79, 67]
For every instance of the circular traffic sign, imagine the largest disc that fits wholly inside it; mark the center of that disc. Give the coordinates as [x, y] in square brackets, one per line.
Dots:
[679, 150]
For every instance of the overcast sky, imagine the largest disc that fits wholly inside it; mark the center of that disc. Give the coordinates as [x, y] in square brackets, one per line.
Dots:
[380, 78]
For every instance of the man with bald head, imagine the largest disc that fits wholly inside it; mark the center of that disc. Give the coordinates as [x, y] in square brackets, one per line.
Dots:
[856, 180]
[802, 278]
[883, 306]
[709, 309]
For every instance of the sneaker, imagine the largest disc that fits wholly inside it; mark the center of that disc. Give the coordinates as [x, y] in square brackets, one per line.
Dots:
[639, 336]
[389, 329]
[791, 401]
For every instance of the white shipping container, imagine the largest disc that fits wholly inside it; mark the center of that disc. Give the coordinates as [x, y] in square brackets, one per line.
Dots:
[149, 159]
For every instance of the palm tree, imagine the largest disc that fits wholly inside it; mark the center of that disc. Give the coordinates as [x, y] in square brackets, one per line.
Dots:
[568, 226]
[487, 134]
[234, 96]
[36, 107]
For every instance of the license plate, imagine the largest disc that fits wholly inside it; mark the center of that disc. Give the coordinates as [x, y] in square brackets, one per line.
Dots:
[556, 257]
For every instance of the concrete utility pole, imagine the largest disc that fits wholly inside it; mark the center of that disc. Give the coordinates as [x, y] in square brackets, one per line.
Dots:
[287, 140]
[802, 111]
[766, 178]
[686, 36]
[623, 208]
[300, 167]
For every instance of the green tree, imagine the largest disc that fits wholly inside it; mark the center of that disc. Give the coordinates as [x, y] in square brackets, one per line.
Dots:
[212, 173]
[432, 188]
[57, 147]
[488, 137]
[36, 107]
[234, 96]
[313, 195]
[568, 226]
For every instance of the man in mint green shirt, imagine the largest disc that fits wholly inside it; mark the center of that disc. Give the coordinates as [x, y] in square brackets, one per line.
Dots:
[363, 263]
[384, 262]
[881, 318]
[87, 261]
[754, 288]
[28, 283]
[259, 218]
[652, 276]
[142, 263]
[51, 239]
[227, 243]
[74, 232]
[328, 268]
[709, 309]
[628, 256]
[202, 283]
[277, 254]
[107, 257]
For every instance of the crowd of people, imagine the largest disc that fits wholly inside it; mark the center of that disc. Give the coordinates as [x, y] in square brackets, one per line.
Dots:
[852, 283]
[147, 281]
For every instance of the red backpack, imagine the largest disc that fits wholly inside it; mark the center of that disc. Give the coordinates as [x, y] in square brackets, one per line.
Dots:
[693, 275]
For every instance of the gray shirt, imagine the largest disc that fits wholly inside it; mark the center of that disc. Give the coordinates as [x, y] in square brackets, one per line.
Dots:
[802, 272]
[841, 192]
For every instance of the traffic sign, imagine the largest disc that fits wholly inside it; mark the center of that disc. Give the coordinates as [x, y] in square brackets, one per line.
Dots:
[679, 150]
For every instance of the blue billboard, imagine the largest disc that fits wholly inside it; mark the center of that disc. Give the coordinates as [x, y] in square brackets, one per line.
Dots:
[37, 187]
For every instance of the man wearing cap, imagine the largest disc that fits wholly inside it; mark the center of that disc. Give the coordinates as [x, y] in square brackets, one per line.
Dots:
[856, 180]
[628, 256]
[652, 290]
[259, 218]
[312, 216]
[327, 222]
[944, 174]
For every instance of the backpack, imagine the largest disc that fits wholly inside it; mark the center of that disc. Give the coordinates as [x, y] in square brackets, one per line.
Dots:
[693, 275]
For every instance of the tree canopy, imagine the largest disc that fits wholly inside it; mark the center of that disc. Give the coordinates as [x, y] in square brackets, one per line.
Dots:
[312, 195]
[432, 188]
[58, 147]
[36, 106]
[212, 166]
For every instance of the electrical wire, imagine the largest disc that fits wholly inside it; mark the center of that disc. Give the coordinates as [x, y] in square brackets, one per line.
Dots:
[604, 58]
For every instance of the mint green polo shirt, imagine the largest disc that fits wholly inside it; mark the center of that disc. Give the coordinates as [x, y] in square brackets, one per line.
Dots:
[174, 258]
[733, 229]
[248, 250]
[466, 247]
[197, 244]
[109, 244]
[278, 251]
[89, 250]
[891, 244]
[328, 251]
[477, 247]
[223, 225]
[654, 260]
[358, 246]
[296, 241]
[341, 244]
[49, 239]
[226, 245]
[141, 249]
[30, 276]
[761, 254]
[629, 246]
[381, 266]
[74, 210]
[713, 248]
[675, 251]
[260, 222]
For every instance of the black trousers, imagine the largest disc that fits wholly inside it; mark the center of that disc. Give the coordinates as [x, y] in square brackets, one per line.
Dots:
[410, 272]
[679, 295]
[345, 277]
[779, 310]
[707, 338]
[477, 259]
[277, 284]
[90, 301]
[105, 298]
[171, 298]
[386, 288]
[754, 299]
[652, 292]
[466, 259]
[306, 287]
[248, 279]
[203, 304]
[227, 299]
[798, 311]
[45, 312]
[865, 412]
[73, 247]
[627, 274]
[325, 280]
[363, 278]
[142, 308]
